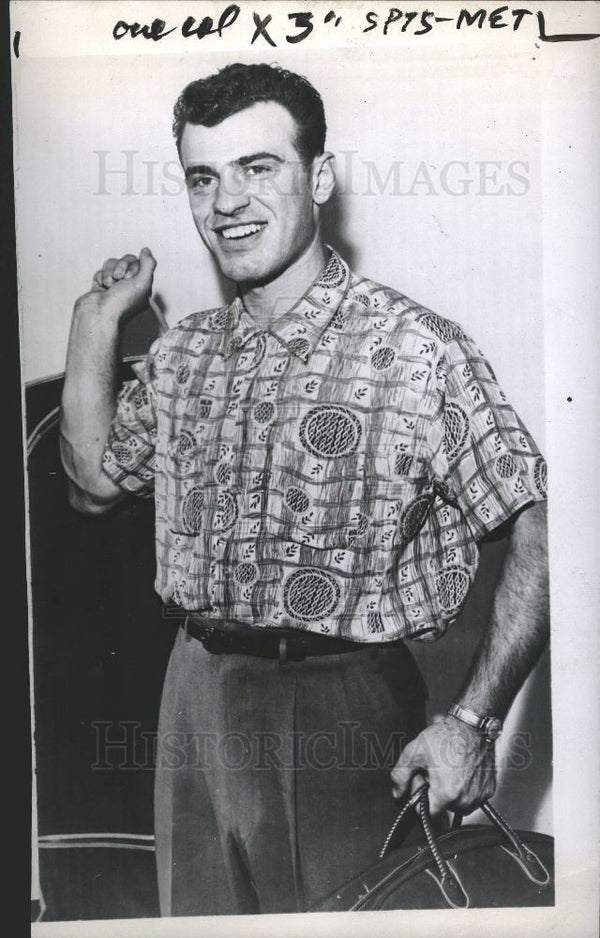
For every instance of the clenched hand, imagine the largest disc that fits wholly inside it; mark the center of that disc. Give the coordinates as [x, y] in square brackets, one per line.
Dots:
[458, 762]
[121, 287]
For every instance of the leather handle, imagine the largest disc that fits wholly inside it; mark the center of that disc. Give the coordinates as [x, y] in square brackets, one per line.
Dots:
[447, 878]
[411, 800]
[531, 864]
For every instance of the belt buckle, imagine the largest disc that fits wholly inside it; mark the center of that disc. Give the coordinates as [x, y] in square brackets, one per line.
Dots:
[287, 654]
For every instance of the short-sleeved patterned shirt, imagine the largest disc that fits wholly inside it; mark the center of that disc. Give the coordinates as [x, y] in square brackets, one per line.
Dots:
[333, 474]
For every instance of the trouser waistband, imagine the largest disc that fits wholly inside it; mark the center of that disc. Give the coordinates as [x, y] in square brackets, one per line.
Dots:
[282, 644]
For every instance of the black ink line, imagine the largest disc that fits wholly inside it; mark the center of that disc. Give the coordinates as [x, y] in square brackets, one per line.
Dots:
[561, 37]
[16, 42]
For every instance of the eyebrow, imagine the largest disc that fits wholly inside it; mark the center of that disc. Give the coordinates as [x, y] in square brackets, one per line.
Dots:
[200, 170]
[207, 170]
[263, 155]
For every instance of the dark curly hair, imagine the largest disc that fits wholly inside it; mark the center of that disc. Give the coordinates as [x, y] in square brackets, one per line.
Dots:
[208, 101]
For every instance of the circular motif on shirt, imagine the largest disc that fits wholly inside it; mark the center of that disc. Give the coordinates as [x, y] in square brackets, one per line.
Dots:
[121, 453]
[246, 573]
[227, 511]
[310, 594]
[334, 273]
[540, 475]
[452, 585]
[382, 358]
[413, 516]
[140, 398]
[456, 430]
[223, 473]
[191, 511]
[444, 329]
[297, 500]
[182, 373]
[264, 411]
[299, 347]
[186, 443]
[330, 430]
[506, 466]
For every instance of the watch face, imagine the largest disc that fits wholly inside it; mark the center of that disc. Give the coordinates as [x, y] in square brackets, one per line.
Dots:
[492, 727]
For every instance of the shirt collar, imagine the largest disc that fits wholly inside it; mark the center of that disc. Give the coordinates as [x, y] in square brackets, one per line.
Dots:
[301, 327]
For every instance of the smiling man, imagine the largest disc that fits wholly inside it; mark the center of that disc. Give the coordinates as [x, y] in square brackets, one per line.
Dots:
[325, 456]
[257, 213]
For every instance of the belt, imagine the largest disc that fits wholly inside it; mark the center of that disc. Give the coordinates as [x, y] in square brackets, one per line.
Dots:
[280, 644]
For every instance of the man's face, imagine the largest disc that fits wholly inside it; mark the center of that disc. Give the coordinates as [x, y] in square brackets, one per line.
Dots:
[249, 192]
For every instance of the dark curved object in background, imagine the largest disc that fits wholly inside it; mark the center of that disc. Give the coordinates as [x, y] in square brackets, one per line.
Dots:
[101, 642]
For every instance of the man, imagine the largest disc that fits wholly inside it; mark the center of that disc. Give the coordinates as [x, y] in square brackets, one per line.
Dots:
[325, 456]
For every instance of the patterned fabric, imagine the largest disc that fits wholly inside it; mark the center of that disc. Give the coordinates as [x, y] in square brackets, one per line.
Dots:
[333, 474]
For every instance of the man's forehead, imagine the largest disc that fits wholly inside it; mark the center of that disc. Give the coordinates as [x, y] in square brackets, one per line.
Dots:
[262, 127]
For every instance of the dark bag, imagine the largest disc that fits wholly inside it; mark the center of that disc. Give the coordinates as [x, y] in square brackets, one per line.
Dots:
[470, 866]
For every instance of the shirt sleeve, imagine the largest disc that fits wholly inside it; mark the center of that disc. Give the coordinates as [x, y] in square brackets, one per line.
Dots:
[129, 456]
[484, 459]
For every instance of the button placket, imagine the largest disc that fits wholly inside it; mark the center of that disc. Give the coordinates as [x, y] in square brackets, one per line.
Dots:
[260, 420]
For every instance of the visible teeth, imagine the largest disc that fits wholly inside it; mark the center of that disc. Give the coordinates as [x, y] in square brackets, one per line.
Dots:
[241, 231]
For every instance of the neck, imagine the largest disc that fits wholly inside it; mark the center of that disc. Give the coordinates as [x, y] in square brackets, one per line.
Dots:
[267, 302]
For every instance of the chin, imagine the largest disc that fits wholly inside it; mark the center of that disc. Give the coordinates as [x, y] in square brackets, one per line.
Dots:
[245, 270]
[239, 272]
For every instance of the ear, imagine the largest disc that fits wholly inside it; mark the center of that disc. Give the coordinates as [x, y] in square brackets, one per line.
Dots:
[323, 178]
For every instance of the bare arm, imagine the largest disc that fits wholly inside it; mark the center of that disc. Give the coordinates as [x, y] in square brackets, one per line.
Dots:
[519, 625]
[459, 763]
[121, 288]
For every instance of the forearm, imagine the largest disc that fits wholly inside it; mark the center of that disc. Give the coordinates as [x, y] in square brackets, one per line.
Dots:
[519, 625]
[88, 407]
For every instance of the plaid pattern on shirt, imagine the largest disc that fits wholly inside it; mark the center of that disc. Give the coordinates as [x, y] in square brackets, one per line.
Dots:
[335, 473]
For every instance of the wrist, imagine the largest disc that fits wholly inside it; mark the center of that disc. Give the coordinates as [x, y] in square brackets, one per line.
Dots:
[488, 726]
[90, 311]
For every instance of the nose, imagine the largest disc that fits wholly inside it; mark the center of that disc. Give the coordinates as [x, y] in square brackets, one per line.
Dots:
[232, 193]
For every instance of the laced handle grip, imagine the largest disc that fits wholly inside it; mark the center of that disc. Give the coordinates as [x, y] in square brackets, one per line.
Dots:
[447, 878]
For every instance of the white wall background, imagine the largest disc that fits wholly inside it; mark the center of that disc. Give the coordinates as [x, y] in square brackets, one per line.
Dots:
[474, 257]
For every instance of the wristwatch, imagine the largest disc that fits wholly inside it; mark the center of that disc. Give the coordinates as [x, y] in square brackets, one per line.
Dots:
[489, 727]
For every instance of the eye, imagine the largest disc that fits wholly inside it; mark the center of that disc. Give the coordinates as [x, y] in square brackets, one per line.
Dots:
[259, 169]
[200, 185]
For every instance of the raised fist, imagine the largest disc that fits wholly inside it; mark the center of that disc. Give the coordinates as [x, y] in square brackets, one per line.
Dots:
[121, 287]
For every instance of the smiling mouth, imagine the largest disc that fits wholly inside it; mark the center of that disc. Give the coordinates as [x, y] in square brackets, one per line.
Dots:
[238, 232]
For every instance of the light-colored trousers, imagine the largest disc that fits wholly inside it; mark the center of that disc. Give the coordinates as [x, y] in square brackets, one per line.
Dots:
[272, 781]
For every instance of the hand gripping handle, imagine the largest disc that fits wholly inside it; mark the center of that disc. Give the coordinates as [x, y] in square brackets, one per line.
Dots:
[448, 880]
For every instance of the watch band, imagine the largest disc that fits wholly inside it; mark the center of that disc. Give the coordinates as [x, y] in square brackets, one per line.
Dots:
[488, 726]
